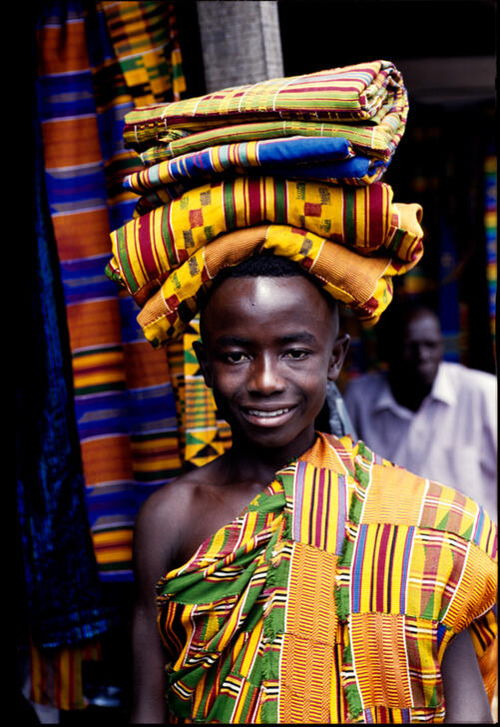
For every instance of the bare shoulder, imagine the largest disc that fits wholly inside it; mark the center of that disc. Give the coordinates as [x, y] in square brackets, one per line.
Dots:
[173, 502]
[176, 518]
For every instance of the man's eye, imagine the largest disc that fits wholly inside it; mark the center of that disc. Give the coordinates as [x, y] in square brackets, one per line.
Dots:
[296, 354]
[235, 357]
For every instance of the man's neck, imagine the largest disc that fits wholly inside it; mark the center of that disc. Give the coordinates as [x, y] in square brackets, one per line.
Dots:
[410, 396]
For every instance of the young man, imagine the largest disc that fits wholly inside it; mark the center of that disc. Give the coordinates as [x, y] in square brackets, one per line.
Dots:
[300, 578]
[278, 586]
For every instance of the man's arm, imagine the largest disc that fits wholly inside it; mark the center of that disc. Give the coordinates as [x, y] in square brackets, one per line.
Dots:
[465, 697]
[152, 554]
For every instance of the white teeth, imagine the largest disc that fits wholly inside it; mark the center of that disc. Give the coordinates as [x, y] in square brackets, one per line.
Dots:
[266, 414]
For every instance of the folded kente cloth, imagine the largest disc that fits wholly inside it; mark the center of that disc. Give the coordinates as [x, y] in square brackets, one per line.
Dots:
[321, 158]
[363, 284]
[368, 100]
[366, 219]
[354, 239]
[291, 166]
[374, 141]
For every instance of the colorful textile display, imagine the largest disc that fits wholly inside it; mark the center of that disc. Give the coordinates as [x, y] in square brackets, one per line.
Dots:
[367, 103]
[53, 527]
[145, 43]
[321, 158]
[315, 224]
[284, 616]
[95, 61]
[304, 154]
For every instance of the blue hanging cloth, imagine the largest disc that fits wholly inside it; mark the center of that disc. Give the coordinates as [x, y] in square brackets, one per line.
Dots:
[63, 599]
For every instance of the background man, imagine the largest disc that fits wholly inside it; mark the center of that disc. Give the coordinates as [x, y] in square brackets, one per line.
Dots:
[433, 417]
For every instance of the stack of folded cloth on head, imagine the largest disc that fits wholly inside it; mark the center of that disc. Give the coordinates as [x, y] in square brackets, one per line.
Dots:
[290, 166]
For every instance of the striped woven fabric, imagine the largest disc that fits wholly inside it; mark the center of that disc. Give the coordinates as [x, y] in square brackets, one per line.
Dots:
[370, 94]
[123, 396]
[203, 436]
[164, 258]
[56, 675]
[322, 158]
[374, 141]
[145, 42]
[94, 60]
[331, 598]
[147, 248]
[364, 286]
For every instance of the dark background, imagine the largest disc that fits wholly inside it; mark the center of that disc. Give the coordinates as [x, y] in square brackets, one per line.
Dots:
[313, 33]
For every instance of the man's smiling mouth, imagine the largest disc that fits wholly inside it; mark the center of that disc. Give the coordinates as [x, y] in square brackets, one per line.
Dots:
[260, 417]
[265, 414]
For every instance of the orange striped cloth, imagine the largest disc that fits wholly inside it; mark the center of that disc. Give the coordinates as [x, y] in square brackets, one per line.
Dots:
[94, 63]
[56, 675]
[331, 598]
[96, 60]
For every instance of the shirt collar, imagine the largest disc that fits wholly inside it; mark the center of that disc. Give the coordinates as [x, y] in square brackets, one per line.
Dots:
[442, 389]
[385, 400]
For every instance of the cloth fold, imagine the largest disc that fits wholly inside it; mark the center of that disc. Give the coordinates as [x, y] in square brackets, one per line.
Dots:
[148, 248]
[374, 141]
[321, 158]
[366, 287]
[370, 94]
[354, 239]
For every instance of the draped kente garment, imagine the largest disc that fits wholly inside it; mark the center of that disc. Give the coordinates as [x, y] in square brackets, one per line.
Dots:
[331, 598]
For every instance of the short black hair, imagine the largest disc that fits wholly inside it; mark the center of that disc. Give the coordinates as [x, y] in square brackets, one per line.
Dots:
[266, 265]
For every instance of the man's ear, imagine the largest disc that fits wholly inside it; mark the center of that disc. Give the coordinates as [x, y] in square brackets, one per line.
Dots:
[202, 357]
[337, 357]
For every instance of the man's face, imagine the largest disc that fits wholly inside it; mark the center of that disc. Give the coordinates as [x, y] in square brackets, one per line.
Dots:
[269, 347]
[421, 349]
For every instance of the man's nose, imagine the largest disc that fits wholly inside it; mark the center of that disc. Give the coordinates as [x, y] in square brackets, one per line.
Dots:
[423, 352]
[265, 376]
